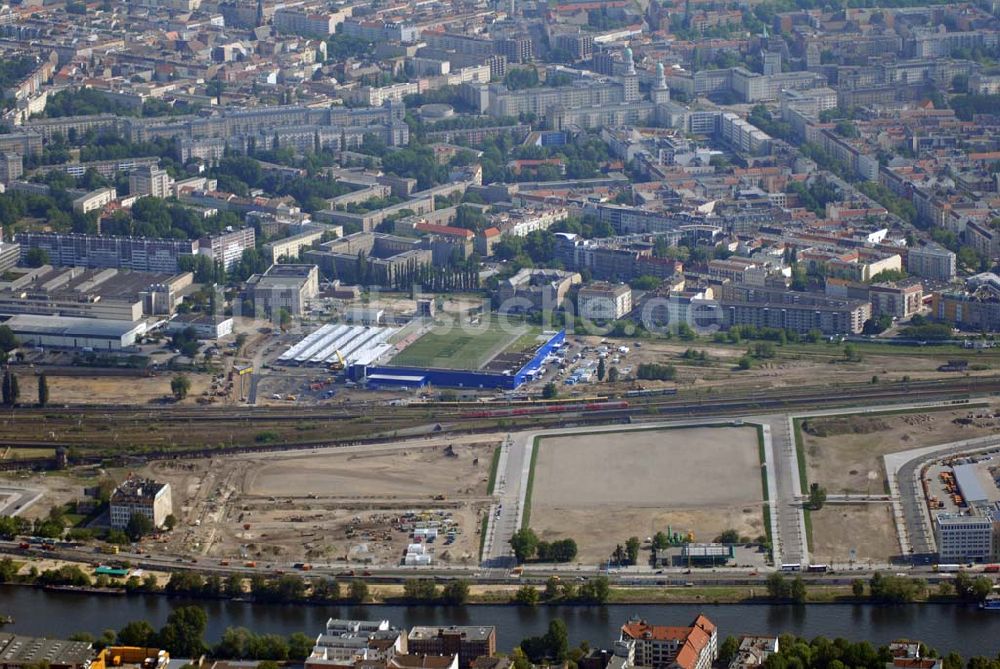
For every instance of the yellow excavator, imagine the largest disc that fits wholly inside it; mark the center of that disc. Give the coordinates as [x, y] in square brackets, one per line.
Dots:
[338, 364]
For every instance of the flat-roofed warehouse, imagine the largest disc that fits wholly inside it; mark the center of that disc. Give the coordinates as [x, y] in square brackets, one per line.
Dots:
[22, 651]
[967, 478]
[60, 332]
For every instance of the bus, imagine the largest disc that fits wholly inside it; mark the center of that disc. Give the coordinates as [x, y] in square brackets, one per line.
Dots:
[791, 567]
[818, 568]
[947, 568]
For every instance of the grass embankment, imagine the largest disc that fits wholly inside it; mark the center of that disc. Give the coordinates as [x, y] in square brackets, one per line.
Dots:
[526, 519]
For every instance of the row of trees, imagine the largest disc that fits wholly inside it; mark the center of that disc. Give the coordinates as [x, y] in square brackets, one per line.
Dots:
[425, 590]
[593, 591]
[527, 546]
[11, 389]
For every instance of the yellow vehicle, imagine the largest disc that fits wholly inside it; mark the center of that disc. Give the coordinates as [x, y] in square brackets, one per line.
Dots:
[338, 364]
[109, 550]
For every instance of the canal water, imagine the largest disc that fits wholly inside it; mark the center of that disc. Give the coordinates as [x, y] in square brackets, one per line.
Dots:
[967, 630]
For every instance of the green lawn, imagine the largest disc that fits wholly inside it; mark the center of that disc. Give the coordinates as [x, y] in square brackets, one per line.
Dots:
[455, 348]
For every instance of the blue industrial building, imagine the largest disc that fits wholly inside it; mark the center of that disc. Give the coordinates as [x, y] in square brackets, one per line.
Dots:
[415, 377]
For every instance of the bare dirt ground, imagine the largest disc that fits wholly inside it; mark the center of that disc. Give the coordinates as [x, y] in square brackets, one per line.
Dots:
[111, 389]
[325, 506]
[604, 488]
[850, 458]
[867, 528]
[59, 488]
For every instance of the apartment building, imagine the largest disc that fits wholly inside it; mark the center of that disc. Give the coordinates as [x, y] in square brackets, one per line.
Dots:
[11, 167]
[931, 261]
[150, 180]
[604, 301]
[664, 647]
[790, 310]
[287, 287]
[226, 248]
[977, 311]
[384, 257]
[136, 253]
[142, 496]
[738, 270]
[899, 300]
[468, 643]
[536, 289]
[308, 24]
[290, 247]
[94, 200]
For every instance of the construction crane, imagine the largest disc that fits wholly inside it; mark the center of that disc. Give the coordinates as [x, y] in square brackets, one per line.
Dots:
[338, 364]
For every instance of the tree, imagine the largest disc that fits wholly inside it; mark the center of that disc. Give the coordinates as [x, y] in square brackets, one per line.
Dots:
[728, 537]
[851, 354]
[8, 342]
[613, 374]
[420, 589]
[184, 632]
[817, 496]
[170, 522]
[43, 390]
[138, 526]
[550, 391]
[596, 590]
[36, 257]
[858, 587]
[358, 592]
[728, 650]
[601, 369]
[632, 549]
[456, 592]
[284, 318]
[527, 595]
[660, 541]
[179, 386]
[524, 542]
[299, 646]
[797, 590]
[136, 633]
[777, 586]
[11, 389]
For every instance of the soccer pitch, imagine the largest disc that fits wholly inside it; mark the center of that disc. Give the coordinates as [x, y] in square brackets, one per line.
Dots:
[460, 348]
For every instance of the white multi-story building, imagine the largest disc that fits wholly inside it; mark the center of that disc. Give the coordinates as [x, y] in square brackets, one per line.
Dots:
[604, 301]
[964, 538]
[142, 496]
[664, 647]
[149, 180]
[226, 248]
[308, 24]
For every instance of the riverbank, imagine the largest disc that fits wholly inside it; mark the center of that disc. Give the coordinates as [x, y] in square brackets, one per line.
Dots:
[972, 631]
[504, 595]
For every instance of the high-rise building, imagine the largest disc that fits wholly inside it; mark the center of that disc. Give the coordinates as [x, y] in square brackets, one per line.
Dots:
[149, 180]
[226, 248]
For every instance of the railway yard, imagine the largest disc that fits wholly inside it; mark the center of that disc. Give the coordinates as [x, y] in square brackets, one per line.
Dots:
[317, 472]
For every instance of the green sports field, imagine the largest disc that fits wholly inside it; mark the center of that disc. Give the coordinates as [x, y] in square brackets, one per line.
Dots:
[458, 348]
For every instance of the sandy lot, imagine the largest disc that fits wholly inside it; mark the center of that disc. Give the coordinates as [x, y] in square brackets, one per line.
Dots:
[110, 389]
[850, 458]
[413, 472]
[601, 489]
[867, 528]
[328, 506]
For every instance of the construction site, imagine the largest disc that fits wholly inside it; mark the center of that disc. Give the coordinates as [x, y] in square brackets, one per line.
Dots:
[378, 506]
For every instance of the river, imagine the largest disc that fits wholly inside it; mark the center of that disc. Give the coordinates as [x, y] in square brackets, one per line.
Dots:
[945, 627]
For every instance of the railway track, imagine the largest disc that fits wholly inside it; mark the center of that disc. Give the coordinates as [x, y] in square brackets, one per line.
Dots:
[452, 420]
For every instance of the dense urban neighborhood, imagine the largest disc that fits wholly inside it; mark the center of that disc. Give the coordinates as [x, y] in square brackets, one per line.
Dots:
[499, 334]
